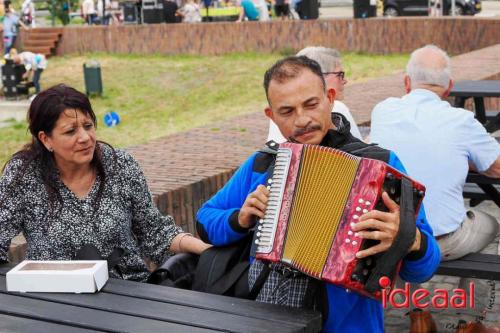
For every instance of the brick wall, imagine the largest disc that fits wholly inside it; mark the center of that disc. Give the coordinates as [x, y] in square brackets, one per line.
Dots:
[379, 35]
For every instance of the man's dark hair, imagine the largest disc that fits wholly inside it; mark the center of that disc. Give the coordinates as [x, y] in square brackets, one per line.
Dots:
[289, 68]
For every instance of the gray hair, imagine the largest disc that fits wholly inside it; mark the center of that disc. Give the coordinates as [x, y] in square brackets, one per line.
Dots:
[327, 58]
[422, 71]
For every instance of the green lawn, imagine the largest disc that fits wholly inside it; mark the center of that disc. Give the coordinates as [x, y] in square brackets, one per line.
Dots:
[159, 95]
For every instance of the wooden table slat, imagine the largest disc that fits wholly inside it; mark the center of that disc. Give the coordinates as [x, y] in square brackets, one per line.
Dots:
[173, 313]
[473, 269]
[481, 88]
[215, 302]
[81, 317]
[13, 324]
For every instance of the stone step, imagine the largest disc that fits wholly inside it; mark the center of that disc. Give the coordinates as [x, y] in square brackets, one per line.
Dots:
[39, 42]
[47, 30]
[45, 50]
[42, 36]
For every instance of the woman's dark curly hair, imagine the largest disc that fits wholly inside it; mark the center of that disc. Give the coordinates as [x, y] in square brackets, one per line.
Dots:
[43, 114]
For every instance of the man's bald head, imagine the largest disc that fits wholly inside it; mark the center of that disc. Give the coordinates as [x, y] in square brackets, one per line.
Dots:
[429, 66]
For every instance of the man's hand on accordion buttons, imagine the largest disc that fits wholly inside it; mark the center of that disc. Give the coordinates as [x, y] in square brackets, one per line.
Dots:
[381, 226]
[254, 206]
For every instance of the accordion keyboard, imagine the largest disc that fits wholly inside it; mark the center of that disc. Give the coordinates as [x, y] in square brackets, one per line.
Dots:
[266, 228]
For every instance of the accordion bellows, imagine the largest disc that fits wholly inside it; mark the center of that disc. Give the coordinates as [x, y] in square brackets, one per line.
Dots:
[316, 194]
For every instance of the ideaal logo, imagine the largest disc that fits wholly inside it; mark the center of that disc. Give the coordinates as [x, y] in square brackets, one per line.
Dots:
[440, 299]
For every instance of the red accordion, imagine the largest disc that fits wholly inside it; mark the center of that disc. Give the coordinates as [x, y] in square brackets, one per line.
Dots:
[316, 195]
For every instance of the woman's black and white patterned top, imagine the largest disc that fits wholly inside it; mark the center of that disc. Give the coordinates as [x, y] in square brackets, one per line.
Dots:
[126, 217]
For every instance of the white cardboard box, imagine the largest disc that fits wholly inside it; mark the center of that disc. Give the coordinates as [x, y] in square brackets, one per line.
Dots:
[79, 276]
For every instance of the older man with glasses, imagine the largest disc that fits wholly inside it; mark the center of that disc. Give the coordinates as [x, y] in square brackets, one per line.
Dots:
[334, 75]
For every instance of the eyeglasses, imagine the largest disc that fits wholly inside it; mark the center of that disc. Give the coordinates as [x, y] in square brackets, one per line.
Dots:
[340, 74]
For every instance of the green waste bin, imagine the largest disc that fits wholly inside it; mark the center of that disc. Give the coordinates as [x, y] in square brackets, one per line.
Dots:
[92, 76]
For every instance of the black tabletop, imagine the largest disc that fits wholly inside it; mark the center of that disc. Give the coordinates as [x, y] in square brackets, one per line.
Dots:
[482, 88]
[125, 306]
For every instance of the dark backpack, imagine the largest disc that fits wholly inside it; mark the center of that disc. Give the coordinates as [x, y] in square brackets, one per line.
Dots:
[224, 270]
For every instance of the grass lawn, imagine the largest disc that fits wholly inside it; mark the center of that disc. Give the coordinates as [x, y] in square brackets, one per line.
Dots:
[159, 95]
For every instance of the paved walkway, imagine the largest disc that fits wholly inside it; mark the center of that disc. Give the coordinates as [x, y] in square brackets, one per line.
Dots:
[396, 320]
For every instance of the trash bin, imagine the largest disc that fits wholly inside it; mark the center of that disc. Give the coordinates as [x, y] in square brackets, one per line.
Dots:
[92, 76]
[365, 8]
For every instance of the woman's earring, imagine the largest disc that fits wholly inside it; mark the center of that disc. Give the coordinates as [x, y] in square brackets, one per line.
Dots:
[50, 149]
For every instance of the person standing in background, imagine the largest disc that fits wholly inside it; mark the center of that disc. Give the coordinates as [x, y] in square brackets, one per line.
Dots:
[88, 11]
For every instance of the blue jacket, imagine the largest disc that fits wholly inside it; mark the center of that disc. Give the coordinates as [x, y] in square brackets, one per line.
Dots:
[347, 311]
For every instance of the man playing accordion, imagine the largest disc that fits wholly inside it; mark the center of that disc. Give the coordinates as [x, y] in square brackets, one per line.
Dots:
[300, 105]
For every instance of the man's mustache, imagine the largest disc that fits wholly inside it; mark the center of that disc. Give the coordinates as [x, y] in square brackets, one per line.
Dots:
[301, 131]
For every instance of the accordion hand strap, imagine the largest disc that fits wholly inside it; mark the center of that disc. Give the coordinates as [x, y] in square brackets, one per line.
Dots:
[389, 260]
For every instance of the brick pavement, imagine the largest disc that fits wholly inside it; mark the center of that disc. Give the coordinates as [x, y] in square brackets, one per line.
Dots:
[396, 320]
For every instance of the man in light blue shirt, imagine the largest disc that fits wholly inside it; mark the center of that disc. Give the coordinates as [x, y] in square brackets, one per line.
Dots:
[438, 144]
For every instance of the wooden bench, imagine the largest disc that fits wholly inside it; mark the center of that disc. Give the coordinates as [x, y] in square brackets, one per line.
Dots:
[475, 265]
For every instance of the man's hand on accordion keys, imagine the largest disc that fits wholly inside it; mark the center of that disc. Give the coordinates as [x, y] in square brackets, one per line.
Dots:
[254, 206]
[381, 226]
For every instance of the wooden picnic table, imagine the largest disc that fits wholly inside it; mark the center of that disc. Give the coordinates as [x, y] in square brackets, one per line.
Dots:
[479, 188]
[126, 306]
[474, 265]
[478, 90]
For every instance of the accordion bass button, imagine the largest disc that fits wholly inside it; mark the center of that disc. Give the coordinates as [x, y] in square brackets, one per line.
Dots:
[354, 243]
[365, 211]
[361, 201]
[368, 203]
[358, 209]
[347, 240]
[355, 217]
[349, 233]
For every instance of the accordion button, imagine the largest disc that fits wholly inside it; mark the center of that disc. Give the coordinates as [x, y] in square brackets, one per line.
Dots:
[355, 217]
[358, 209]
[349, 233]
[347, 240]
[270, 181]
[352, 224]
[356, 234]
[368, 262]
[361, 201]
[365, 211]
[354, 243]
[258, 234]
[368, 203]
[365, 272]
[257, 241]
[347, 291]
